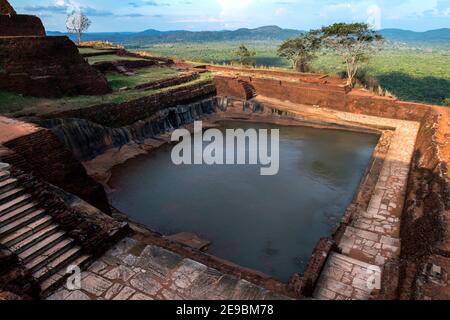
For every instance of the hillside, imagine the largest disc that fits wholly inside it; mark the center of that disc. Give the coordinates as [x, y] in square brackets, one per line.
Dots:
[267, 33]
[438, 36]
[271, 33]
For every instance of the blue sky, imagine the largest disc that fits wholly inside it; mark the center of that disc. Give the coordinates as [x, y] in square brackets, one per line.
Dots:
[138, 15]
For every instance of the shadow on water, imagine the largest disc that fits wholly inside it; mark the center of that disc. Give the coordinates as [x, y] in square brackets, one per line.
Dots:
[428, 89]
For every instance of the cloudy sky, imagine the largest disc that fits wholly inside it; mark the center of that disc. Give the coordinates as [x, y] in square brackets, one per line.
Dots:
[138, 15]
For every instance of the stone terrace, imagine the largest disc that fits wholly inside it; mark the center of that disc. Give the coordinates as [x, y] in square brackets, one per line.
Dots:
[134, 271]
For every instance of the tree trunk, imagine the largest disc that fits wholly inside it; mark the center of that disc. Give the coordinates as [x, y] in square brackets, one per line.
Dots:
[350, 74]
[300, 66]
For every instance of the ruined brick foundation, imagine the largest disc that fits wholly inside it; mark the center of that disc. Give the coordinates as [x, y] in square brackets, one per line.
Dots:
[47, 67]
[35, 65]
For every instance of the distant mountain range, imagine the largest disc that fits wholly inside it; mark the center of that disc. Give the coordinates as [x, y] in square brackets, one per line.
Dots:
[273, 33]
[432, 36]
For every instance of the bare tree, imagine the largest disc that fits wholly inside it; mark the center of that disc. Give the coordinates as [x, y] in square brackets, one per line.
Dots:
[78, 23]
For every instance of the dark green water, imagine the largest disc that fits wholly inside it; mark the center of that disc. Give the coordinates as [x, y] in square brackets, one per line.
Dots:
[267, 223]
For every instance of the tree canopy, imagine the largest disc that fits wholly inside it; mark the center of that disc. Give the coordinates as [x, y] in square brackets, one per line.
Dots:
[245, 56]
[301, 50]
[354, 42]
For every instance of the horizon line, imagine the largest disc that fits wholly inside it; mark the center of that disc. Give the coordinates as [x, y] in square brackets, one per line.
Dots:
[231, 30]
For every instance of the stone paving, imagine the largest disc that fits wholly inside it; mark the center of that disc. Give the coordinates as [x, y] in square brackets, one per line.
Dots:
[346, 278]
[135, 271]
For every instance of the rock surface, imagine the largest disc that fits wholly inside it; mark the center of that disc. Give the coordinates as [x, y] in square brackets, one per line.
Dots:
[135, 271]
[190, 240]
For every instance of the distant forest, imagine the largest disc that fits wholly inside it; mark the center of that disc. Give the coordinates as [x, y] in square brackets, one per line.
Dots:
[439, 37]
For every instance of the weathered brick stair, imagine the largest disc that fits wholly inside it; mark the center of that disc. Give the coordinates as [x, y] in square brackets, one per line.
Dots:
[29, 232]
[249, 89]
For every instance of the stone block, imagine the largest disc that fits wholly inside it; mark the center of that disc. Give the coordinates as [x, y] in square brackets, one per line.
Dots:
[95, 284]
[158, 260]
[188, 272]
[146, 283]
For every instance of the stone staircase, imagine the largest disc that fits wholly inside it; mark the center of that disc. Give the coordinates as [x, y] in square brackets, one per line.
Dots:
[249, 89]
[30, 233]
[371, 244]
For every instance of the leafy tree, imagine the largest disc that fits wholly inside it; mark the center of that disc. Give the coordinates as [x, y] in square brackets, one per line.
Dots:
[245, 56]
[78, 23]
[301, 51]
[447, 102]
[354, 42]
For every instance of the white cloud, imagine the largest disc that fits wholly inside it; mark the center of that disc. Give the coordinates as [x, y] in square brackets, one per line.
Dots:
[374, 16]
[280, 12]
[70, 5]
[233, 8]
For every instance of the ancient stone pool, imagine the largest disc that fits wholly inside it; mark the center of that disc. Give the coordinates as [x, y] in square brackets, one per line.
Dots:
[266, 223]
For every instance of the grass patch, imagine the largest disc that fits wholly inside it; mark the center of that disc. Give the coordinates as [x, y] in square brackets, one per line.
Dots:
[219, 52]
[14, 105]
[90, 50]
[110, 57]
[145, 75]
[447, 102]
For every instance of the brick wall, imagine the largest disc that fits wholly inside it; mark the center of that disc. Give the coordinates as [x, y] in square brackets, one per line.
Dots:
[6, 8]
[46, 67]
[127, 113]
[425, 221]
[44, 156]
[296, 92]
[229, 87]
[322, 79]
[329, 96]
[21, 25]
